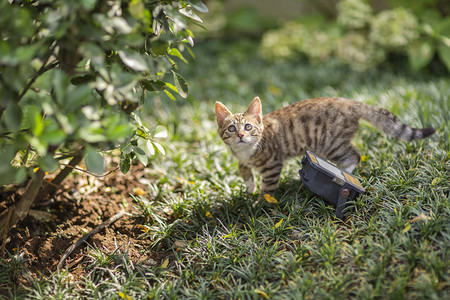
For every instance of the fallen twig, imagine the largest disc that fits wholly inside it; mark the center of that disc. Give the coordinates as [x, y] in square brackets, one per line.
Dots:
[87, 236]
[75, 262]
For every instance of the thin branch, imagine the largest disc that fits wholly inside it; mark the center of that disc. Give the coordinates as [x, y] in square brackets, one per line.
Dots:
[41, 71]
[6, 133]
[93, 174]
[44, 68]
[87, 236]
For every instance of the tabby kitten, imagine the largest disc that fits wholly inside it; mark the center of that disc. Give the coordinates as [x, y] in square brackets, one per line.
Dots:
[324, 126]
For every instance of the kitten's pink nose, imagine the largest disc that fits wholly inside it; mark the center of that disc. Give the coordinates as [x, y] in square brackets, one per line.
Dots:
[240, 135]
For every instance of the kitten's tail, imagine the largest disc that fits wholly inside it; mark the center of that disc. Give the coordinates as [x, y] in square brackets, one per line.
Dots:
[390, 124]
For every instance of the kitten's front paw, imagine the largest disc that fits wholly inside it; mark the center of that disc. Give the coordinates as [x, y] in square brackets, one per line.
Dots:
[251, 186]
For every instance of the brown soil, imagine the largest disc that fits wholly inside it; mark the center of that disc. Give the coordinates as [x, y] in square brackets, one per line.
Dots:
[83, 203]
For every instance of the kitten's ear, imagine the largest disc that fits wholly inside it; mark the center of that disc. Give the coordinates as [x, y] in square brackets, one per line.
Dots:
[221, 113]
[255, 109]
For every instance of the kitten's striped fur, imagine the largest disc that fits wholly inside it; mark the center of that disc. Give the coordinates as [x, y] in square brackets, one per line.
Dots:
[324, 126]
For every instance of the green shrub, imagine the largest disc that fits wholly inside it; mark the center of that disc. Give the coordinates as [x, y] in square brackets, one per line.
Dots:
[73, 75]
[354, 14]
[294, 38]
[394, 29]
[362, 39]
[353, 49]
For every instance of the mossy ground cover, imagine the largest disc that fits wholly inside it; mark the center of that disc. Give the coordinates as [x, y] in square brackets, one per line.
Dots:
[393, 242]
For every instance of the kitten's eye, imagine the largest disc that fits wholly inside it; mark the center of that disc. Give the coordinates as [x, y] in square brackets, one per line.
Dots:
[231, 128]
[248, 127]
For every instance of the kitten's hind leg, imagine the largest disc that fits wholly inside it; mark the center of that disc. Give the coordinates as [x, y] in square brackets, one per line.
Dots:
[347, 158]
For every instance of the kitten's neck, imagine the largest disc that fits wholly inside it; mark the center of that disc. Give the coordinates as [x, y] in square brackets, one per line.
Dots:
[245, 153]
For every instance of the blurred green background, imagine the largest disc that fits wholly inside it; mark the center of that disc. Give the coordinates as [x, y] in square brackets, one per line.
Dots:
[358, 33]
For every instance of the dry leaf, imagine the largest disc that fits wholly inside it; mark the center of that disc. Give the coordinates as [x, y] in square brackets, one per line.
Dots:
[278, 224]
[124, 296]
[231, 234]
[40, 215]
[364, 158]
[180, 244]
[436, 181]
[165, 264]
[143, 228]
[139, 191]
[421, 217]
[270, 199]
[407, 228]
[262, 294]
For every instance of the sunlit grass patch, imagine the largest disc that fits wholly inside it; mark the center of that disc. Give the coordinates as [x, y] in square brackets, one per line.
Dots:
[218, 242]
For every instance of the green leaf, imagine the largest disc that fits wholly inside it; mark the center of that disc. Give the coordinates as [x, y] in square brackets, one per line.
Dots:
[441, 25]
[34, 118]
[79, 80]
[94, 161]
[92, 133]
[78, 96]
[88, 4]
[160, 132]
[160, 148]
[39, 145]
[181, 84]
[159, 47]
[52, 134]
[150, 148]
[13, 116]
[190, 14]
[7, 175]
[420, 54]
[444, 55]
[7, 172]
[117, 128]
[48, 163]
[117, 24]
[153, 86]
[137, 9]
[199, 6]
[138, 120]
[119, 132]
[20, 175]
[66, 123]
[169, 94]
[141, 155]
[94, 53]
[175, 52]
[60, 82]
[127, 149]
[133, 60]
[125, 164]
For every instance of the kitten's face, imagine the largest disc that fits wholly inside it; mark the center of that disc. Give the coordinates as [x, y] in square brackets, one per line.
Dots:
[242, 130]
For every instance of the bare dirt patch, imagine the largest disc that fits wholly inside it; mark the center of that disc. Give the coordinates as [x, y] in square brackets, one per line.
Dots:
[83, 203]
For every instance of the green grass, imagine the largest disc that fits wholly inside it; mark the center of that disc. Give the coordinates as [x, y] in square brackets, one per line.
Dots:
[394, 243]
